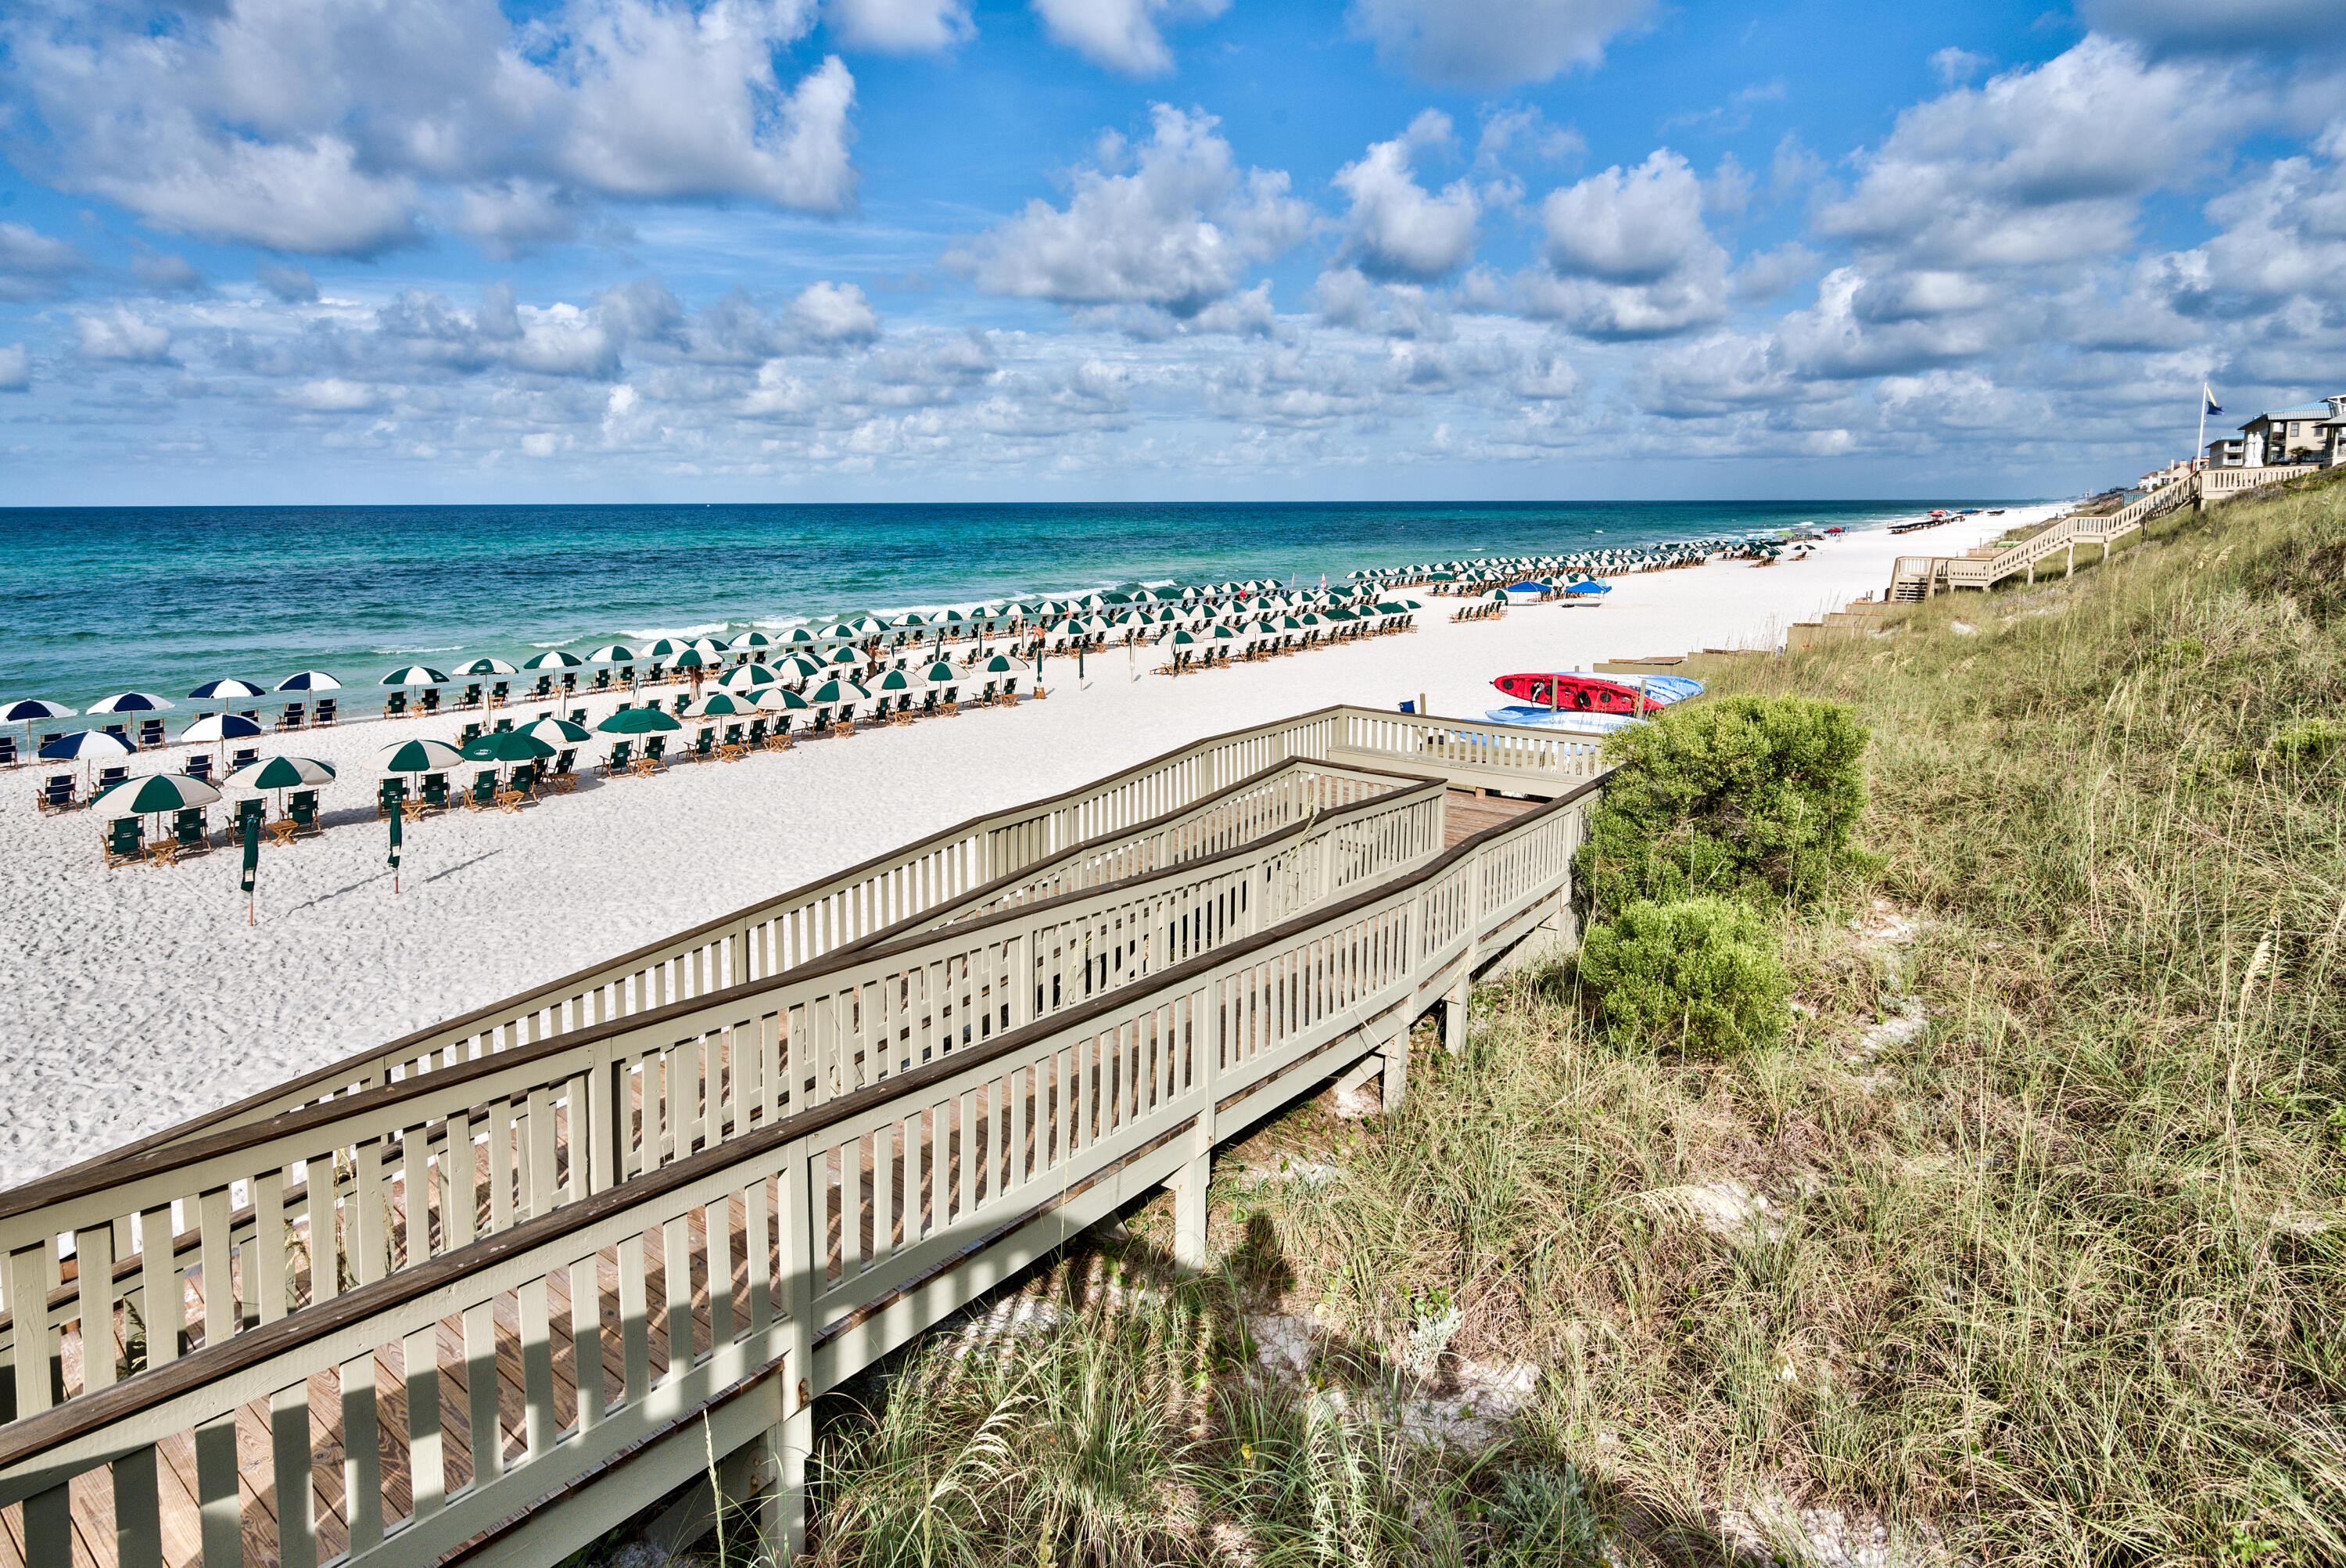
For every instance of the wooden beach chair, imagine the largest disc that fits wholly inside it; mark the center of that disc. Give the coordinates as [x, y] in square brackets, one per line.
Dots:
[107, 778]
[57, 794]
[389, 795]
[395, 705]
[471, 733]
[199, 767]
[324, 718]
[619, 761]
[484, 791]
[8, 757]
[603, 679]
[560, 776]
[252, 810]
[303, 807]
[124, 842]
[436, 791]
[499, 693]
[243, 756]
[502, 725]
[471, 697]
[431, 704]
[655, 755]
[704, 745]
[543, 688]
[150, 734]
[191, 835]
[291, 718]
[756, 739]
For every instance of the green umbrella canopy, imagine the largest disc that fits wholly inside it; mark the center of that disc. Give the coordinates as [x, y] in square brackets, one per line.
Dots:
[693, 659]
[708, 647]
[155, 792]
[280, 773]
[803, 666]
[752, 640]
[507, 746]
[638, 722]
[553, 658]
[722, 705]
[414, 675]
[998, 665]
[557, 732]
[847, 657]
[664, 649]
[418, 757]
[749, 677]
[895, 680]
[942, 673]
[1181, 637]
[488, 667]
[834, 691]
[612, 653]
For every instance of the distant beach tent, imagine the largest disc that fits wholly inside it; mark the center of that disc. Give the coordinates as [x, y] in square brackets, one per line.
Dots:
[227, 688]
[310, 681]
[488, 667]
[155, 793]
[638, 722]
[1589, 585]
[219, 727]
[130, 702]
[414, 675]
[418, 757]
[1529, 585]
[280, 773]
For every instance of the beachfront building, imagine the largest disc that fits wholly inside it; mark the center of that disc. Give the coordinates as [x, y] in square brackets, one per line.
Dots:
[2174, 473]
[2313, 432]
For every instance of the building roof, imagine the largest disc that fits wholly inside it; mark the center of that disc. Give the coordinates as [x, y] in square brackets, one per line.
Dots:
[2310, 411]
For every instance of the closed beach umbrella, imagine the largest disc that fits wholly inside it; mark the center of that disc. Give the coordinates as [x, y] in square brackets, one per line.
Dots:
[310, 681]
[553, 658]
[749, 677]
[280, 773]
[612, 653]
[413, 674]
[418, 757]
[227, 688]
[130, 702]
[722, 705]
[155, 792]
[638, 722]
[218, 726]
[488, 667]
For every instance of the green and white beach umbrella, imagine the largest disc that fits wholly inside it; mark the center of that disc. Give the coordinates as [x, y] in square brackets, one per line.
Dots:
[488, 667]
[638, 722]
[895, 680]
[833, 692]
[722, 705]
[418, 757]
[155, 792]
[781, 699]
[507, 746]
[665, 648]
[553, 658]
[943, 673]
[612, 653]
[558, 732]
[694, 658]
[750, 641]
[748, 678]
[281, 773]
[802, 666]
[846, 657]
[1000, 665]
[708, 647]
[413, 674]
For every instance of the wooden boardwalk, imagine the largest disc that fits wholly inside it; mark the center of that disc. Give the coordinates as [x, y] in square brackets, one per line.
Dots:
[1465, 813]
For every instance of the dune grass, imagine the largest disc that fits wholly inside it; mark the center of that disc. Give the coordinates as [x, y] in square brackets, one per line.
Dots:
[2054, 1276]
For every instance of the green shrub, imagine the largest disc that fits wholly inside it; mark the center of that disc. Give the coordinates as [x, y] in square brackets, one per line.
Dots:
[1703, 974]
[2307, 742]
[1752, 797]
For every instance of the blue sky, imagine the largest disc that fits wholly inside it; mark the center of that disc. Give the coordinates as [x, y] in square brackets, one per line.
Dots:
[284, 251]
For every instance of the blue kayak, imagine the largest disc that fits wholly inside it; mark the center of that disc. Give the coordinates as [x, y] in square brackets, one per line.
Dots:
[1572, 719]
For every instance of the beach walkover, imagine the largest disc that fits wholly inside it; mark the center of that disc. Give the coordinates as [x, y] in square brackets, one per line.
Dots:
[489, 1291]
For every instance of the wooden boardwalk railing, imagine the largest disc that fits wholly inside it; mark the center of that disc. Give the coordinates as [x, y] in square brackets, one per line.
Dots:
[858, 1143]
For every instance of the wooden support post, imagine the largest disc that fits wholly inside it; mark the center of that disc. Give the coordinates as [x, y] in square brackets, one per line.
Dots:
[1395, 1085]
[1190, 1248]
[1453, 1018]
[2072, 570]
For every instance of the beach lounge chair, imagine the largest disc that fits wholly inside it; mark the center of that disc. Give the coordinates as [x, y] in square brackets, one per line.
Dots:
[502, 725]
[303, 807]
[124, 842]
[244, 757]
[654, 676]
[389, 797]
[683, 701]
[627, 676]
[655, 753]
[8, 757]
[120, 731]
[560, 776]
[199, 767]
[150, 734]
[293, 717]
[779, 740]
[192, 833]
[431, 704]
[602, 680]
[471, 733]
[732, 734]
[500, 693]
[704, 745]
[395, 705]
[436, 790]
[107, 778]
[324, 718]
[543, 688]
[57, 794]
[252, 810]
[471, 697]
[619, 761]
[483, 792]
[579, 717]
[569, 683]
[756, 736]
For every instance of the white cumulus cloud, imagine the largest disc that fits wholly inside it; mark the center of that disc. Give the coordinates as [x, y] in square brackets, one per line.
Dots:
[1399, 229]
[1122, 34]
[122, 337]
[16, 368]
[1628, 253]
[900, 26]
[1177, 233]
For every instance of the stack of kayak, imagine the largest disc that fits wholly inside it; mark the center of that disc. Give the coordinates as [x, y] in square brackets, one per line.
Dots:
[1585, 701]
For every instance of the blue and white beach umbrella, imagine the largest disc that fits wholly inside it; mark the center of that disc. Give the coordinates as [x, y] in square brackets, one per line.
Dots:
[310, 681]
[218, 726]
[130, 702]
[86, 745]
[227, 688]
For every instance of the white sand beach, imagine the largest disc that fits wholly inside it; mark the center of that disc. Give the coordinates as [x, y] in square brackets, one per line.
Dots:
[140, 995]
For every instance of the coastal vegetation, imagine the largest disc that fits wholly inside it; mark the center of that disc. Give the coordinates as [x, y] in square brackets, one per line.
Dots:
[2020, 1238]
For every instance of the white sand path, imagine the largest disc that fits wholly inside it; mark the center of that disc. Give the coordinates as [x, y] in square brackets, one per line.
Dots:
[140, 997]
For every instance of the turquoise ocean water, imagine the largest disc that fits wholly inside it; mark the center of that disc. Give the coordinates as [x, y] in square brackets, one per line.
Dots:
[158, 599]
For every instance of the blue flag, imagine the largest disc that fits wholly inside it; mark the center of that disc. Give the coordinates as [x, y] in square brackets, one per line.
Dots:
[2211, 397]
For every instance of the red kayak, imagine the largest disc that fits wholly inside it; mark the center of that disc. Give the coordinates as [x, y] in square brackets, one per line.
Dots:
[1584, 692]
